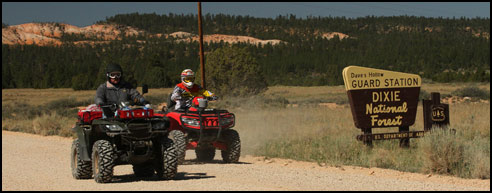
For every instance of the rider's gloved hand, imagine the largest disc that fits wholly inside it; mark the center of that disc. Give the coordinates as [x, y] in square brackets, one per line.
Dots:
[178, 105]
[148, 106]
[213, 98]
[113, 106]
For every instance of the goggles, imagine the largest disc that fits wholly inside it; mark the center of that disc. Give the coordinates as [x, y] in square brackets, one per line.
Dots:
[188, 79]
[115, 75]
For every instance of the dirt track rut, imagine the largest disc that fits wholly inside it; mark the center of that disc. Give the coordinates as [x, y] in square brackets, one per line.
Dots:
[32, 162]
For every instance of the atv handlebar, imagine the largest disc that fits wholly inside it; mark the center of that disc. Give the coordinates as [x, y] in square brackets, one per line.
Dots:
[114, 106]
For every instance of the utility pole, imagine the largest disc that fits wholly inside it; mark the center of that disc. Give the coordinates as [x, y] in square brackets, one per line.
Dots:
[200, 33]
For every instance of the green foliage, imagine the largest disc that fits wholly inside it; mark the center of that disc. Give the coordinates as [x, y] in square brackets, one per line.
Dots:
[71, 37]
[81, 82]
[449, 53]
[472, 91]
[233, 71]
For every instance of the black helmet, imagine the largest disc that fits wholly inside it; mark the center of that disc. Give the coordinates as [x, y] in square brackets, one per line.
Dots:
[113, 68]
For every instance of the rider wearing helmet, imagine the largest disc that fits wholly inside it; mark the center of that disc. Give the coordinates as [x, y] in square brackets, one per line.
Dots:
[184, 92]
[116, 90]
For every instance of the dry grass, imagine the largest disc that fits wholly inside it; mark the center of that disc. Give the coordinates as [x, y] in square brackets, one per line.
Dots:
[269, 125]
[53, 124]
[328, 136]
[38, 97]
[42, 96]
[315, 94]
[447, 88]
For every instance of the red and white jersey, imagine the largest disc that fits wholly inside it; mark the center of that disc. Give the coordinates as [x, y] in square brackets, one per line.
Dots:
[184, 95]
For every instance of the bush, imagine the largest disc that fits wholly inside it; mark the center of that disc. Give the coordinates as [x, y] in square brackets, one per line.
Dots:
[232, 71]
[450, 153]
[52, 124]
[472, 91]
[442, 152]
[38, 119]
[66, 106]
[20, 110]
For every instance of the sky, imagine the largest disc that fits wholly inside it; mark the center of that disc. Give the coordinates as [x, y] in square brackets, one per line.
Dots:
[83, 14]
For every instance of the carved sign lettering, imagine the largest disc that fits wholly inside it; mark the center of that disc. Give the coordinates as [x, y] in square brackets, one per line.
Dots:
[381, 98]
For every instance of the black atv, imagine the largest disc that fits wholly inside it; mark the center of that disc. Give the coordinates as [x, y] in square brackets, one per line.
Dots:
[132, 136]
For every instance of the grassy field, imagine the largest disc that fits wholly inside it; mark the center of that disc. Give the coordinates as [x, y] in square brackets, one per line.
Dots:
[302, 123]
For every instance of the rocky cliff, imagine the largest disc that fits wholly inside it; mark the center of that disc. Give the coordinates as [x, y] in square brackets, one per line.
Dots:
[46, 34]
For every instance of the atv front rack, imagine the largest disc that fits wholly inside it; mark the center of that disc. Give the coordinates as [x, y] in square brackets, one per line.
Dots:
[209, 119]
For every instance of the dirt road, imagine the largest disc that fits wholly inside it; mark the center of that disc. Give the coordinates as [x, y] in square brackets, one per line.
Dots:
[32, 162]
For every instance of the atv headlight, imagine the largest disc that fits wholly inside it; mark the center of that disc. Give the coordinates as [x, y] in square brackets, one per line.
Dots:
[159, 125]
[226, 120]
[190, 121]
[114, 127]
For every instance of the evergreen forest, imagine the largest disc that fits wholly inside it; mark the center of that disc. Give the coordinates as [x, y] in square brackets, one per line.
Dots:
[438, 49]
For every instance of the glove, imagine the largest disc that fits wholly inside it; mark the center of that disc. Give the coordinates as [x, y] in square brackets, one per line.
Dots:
[142, 101]
[148, 106]
[113, 106]
[213, 98]
[186, 95]
[178, 105]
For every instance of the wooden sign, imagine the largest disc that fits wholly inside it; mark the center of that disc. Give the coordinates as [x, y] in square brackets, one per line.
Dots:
[381, 98]
[435, 113]
[438, 113]
[384, 136]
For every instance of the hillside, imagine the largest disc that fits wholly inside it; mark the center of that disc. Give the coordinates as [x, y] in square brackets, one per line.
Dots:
[46, 34]
[293, 52]
[51, 33]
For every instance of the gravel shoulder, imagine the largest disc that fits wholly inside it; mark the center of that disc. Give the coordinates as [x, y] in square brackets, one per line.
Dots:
[33, 162]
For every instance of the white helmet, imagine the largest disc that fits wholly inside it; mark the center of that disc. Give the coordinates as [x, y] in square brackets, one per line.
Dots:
[188, 77]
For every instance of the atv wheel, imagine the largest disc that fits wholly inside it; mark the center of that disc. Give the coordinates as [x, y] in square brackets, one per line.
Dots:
[103, 161]
[233, 143]
[205, 154]
[80, 169]
[179, 140]
[143, 170]
[166, 163]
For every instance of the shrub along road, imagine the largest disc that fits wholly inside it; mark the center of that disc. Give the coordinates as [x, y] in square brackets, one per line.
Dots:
[33, 162]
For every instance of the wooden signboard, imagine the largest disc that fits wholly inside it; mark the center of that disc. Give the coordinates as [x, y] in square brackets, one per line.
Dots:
[382, 98]
[435, 112]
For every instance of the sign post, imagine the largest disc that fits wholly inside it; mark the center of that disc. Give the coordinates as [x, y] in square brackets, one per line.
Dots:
[382, 98]
[435, 113]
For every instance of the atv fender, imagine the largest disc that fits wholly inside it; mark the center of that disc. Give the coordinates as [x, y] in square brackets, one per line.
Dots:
[83, 134]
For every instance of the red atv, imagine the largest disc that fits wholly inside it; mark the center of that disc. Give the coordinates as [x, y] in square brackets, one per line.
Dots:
[203, 130]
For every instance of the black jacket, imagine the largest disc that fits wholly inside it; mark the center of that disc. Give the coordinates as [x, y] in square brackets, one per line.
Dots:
[108, 93]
